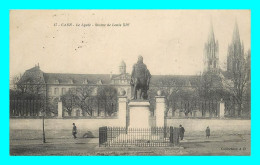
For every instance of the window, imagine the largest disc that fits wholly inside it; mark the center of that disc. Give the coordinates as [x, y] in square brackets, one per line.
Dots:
[70, 81]
[72, 90]
[56, 91]
[85, 81]
[63, 91]
[100, 82]
[56, 82]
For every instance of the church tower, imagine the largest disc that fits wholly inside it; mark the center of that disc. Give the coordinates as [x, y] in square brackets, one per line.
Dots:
[235, 51]
[211, 57]
[122, 68]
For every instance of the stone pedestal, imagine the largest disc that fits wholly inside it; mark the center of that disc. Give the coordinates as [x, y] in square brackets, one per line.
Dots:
[221, 110]
[122, 106]
[159, 111]
[139, 114]
[60, 109]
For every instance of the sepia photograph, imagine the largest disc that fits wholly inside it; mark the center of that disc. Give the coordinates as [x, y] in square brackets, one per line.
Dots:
[130, 83]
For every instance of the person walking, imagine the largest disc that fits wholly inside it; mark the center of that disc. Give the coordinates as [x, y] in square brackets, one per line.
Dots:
[74, 130]
[207, 132]
[182, 130]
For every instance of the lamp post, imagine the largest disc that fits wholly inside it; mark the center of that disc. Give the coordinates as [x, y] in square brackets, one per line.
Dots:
[43, 131]
[45, 107]
[40, 85]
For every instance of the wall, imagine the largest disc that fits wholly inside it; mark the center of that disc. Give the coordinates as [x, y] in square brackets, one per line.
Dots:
[62, 128]
[217, 126]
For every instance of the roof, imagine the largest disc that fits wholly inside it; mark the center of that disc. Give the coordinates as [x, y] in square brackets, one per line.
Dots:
[167, 80]
[34, 69]
[178, 80]
[79, 79]
[66, 78]
[33, 75]
[120, 76]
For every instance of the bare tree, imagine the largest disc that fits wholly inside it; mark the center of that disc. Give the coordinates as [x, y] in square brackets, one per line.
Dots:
[209, 86]
[13, 82]
[84, 99]
[237, 80]
[69, 101]
[108, 96]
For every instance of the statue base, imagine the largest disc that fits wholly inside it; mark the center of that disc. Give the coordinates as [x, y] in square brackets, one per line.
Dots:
[139, 114]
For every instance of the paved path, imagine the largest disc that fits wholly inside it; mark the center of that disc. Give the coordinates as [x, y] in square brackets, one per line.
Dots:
[215, 145]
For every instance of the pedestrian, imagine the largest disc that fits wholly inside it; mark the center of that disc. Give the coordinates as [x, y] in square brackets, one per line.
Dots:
[207, 132]
[74, 130]
[182, 130]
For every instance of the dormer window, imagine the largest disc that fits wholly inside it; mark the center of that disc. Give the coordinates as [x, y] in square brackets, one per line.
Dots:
[70, 81]
[85, 81]
[56, 82]
[99, 82]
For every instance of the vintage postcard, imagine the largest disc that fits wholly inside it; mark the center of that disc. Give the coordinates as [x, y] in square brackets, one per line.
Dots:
[130, 82]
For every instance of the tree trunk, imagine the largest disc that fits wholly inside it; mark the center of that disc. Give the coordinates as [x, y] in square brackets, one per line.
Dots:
[239, 109]
[69, 112]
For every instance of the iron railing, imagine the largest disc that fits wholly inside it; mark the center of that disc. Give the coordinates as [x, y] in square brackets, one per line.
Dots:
[138, 137]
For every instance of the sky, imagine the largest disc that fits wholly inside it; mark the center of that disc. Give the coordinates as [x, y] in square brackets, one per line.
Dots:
[170, 41]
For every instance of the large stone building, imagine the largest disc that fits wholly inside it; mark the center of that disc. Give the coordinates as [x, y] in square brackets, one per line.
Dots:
[57, 84]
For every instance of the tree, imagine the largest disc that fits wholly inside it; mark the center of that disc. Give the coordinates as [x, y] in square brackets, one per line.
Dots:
[84, 99]
[52, 106]
[175, 95]
[237, 80]
[210, 86]
[69, 101]
[32, 86]
[108, 96]
[13, 82]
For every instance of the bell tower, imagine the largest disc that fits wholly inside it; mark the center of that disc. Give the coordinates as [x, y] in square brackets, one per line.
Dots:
[122, 68]
[211, 50]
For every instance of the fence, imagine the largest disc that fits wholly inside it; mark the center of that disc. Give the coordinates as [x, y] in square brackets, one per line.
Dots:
[92, 107]
[138, 137]
[21, 107]
[35, 107]
[206, 107]
[186, 108]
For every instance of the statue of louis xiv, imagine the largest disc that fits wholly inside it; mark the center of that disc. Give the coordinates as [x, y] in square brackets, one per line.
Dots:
[140, 80]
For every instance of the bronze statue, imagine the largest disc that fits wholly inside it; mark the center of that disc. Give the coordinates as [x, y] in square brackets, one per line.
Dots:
[140, 79]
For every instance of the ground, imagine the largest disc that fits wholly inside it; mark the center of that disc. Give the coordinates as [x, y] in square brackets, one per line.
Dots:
[227, 144]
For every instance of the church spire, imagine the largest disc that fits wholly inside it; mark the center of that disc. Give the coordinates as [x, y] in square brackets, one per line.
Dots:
[211, 37]
[235, 50]
[236, 36]
[211, 60]
[122, 68]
